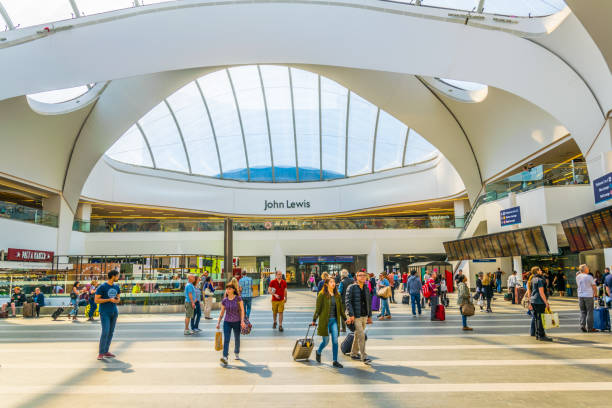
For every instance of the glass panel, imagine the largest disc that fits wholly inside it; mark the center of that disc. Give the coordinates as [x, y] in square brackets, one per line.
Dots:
[418, 149]
[188, 107]
[131, 148]
[503, 243]
[220, 99]
[26, 13]
[512, 244]
[469, 5]
[467, 254]
[465, 85]
[529, 242]
[520, 243]
[59, 95]
[333, 127]
[278, 98]
[523, 8]
[540, 241]
[390, 140]
[88, 7]
[362, 123]
[306, 108]
[162, 134]
[568, 234]
[252, 110]
[592, 232]
[496, 246]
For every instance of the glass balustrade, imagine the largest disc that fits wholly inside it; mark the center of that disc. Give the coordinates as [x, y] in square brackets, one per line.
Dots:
[23, 213]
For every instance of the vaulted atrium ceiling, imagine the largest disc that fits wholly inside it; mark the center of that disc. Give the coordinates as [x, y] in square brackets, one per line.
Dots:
[269, 123]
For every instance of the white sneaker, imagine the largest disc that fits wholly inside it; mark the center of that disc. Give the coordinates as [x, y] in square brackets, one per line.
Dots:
[224, 360]
[188, 332]
[237, 357]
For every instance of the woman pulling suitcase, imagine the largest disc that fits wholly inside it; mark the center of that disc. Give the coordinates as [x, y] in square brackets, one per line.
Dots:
[329, 311]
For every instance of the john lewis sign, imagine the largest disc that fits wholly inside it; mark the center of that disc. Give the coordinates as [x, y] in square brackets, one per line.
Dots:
[285, 204]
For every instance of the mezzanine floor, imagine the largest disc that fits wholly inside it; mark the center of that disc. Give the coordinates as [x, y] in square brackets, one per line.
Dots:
[416, 363]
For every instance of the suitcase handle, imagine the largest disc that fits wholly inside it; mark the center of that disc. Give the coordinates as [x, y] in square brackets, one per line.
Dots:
[308, 330]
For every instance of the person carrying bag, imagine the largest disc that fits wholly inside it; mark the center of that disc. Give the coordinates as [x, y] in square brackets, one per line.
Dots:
[464, 300]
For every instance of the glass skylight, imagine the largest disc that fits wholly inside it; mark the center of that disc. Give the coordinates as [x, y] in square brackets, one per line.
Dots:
[59, 95]
[465, 85]
[292, 122]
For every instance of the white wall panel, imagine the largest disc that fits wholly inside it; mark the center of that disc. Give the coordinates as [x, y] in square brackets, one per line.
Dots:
[25, 235]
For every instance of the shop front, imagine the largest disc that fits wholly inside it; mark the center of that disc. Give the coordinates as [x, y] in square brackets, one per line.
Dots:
[301, 268]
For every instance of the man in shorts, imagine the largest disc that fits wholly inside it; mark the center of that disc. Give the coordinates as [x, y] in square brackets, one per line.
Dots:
[278, 290]
[190, 298]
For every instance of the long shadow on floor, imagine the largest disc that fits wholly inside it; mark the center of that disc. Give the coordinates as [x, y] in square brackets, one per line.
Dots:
[261, 370]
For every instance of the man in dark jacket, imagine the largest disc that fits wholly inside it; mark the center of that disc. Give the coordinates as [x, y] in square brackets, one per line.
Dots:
[359, 309]
[345, 282]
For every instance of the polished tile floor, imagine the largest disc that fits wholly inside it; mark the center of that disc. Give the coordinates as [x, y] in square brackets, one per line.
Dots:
[415, 363]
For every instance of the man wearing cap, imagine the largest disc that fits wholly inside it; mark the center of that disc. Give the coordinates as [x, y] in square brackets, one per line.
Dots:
[17, 300]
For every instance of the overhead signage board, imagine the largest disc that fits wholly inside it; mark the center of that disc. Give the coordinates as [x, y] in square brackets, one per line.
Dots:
[510, 216]
[602, 188]
[28, 255]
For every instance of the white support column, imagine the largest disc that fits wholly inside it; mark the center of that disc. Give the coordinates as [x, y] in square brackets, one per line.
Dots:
[375, 260]
[278, 259]
[517, 265]
[57, 205]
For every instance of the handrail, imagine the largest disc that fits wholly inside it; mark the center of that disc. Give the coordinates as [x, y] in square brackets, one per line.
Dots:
[24, 213]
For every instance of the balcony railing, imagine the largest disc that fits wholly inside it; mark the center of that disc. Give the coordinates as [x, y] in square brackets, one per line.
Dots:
[27, 214]
[294, 224]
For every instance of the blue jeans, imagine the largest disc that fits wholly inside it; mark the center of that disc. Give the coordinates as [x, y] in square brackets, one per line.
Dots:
[227, 332]
[332, 329]
[75, 307]
[464, 320]
[415, 299]
[384, 308]
[499, 286]
[92, 306]
[108, 321]
[197, 314]
[247, 306]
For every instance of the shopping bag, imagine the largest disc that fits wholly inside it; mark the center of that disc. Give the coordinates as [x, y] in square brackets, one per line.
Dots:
[467, 309]
[550, 320]
[218, 341]
[375, 303]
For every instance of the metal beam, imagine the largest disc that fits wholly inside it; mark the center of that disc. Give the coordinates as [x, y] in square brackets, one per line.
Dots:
[263, 92]
[6, 17]
[348, 108]
[75, 8]
[375, 135]
[320, 131]
[147, 143]
[405, 146]
[178, 128]
[480, 7]
[297, 162]
[246, 153]
[212, 127]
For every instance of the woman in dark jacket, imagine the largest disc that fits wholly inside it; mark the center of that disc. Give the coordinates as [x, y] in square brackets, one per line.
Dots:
[329, 311]
[488, 284]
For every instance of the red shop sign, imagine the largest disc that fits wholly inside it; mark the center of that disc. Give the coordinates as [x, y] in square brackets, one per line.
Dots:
[28, 255]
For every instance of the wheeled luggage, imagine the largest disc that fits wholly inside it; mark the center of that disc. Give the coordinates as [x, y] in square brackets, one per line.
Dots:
[375, 303]
[303, 347]
[520, 292]
[440, 313]
[347, 343]
[57, 313]
[406, 299]
[29, 309]
[601, 319]
[508, 297]
[4, 315]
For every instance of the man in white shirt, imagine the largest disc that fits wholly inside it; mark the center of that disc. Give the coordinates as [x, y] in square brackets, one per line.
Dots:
[587, 290]
[512, 283]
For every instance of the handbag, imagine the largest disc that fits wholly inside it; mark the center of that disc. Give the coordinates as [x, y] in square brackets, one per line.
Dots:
[247, 327]
[218, 341]
[526, 302]
[550, 320]
[468, 309]
[384, 292]
[208, 292]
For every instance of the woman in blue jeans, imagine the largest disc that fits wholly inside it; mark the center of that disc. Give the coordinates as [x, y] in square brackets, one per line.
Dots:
[233, 310]
[385, 312]
[329, 310]
[92, 300]
[197, 314]
[74, 301]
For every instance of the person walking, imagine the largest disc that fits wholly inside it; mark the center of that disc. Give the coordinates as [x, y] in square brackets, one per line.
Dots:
[458, 277]
[324, 277]
[190, 299]
[329, 311]
[414, 290]
[587, 291]
[463, 298]
[538, 303]
[92, 300]
[197, 313]
[246, 293]
[108, 297]
[345, 282]
[487, 285]
[233, 310]
[359, 310]
[479, 296]
[512, 283]
[391, 278]
[498, 279]
[385, 312]
[405, 282]
[278, 290]
[209, 293]
[433, 299]
[74, 301]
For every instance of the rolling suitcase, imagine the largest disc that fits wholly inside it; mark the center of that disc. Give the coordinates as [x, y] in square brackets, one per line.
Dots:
[440, 313]
[29, 309]
[347, 343]
[520, 292]
[57, 313]
[406, 299]
[601, 319]
[303, 347]
[375, 303]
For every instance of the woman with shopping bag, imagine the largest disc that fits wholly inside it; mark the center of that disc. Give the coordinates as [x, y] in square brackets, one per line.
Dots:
[383, 290]
[538, 303]
[464, 300]
[232, 308]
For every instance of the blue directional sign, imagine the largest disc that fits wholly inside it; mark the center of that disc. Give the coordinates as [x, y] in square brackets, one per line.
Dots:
[510, 216]
[602, 187]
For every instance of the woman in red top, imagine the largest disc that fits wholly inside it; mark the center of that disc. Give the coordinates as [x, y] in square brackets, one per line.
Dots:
[405, 282]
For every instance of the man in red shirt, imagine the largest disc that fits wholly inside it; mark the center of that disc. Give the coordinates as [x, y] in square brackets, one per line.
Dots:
[405, 282]
[278, 290]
